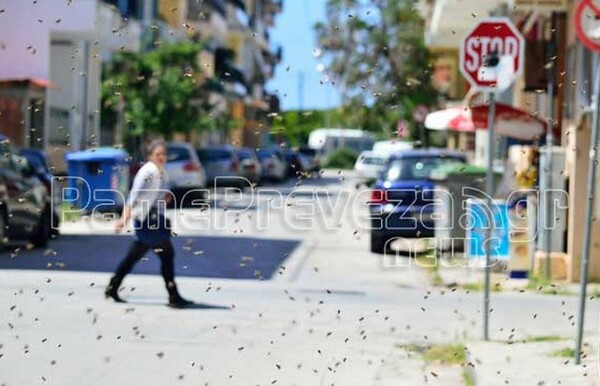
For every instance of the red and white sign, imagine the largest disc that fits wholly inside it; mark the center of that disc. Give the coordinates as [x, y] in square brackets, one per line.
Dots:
[587, 24]
[491, 35]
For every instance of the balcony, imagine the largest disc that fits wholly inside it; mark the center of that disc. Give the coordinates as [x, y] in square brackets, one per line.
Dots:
[225, 68]
[208, 17]
[448, 21]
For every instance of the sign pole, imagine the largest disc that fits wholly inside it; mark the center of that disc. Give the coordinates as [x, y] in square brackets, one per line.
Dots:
[549, 144]
[589, 207]
[491, 73]
[489, 190]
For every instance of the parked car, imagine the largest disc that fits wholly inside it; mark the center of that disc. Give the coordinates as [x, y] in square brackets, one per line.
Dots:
[294, 162]
[249, 164]
[313, 157]
[401, 201]
[38, 160]
[272, 163]
[184, 169]
[25, 205]
[369, 166]
[222, 165]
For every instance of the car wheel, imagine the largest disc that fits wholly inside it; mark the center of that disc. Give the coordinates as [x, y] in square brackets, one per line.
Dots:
[378, 243]
[42, 233]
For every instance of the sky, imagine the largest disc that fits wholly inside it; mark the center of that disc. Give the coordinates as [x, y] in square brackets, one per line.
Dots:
[294, 32]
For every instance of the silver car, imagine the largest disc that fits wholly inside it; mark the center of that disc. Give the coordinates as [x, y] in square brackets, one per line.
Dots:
[273, 164]
[184, 168]
[250, 167]
[222, 165]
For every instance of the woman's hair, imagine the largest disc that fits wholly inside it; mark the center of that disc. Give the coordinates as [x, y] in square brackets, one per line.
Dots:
[155, 144]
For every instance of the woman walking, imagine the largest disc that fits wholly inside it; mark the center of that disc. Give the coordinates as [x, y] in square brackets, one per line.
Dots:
[146, 204]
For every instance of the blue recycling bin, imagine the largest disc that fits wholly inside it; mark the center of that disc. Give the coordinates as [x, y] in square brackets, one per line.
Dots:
[98, 179]
[478, 219]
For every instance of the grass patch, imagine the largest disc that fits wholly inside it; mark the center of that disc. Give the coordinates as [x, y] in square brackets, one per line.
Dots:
[69, 213]
[564, 353]
[594, 293]
[543, 338]
[451, 354]
[468, 377]
[428, 261]
[478, 286]
[545, 286]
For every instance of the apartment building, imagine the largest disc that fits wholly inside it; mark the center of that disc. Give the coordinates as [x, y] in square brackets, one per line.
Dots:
[239, 56]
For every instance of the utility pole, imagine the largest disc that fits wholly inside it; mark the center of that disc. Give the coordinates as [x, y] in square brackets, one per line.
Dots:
[589, 208]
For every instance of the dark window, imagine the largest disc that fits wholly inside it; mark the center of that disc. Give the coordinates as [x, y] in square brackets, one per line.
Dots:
[175, 154]
[415, 168]
[245, 154]
[214, 154]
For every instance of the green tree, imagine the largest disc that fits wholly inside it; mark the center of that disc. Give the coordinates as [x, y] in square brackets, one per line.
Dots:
[160, 90]
[375, 53]
[296, 125]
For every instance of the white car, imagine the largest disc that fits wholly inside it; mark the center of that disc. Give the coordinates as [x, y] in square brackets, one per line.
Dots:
[184, 169]
[369, 165]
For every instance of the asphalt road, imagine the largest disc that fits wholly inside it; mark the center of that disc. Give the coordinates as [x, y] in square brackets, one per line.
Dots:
[210, 257]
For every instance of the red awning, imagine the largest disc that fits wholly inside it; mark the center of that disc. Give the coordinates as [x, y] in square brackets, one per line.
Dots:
[37, 82]
[510, 121]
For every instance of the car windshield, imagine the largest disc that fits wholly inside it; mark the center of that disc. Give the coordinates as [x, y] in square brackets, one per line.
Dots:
[36, 160]
[265, 153]
[175, 154]
[307, 151]
[415, 168]
[207, 155]
[377, 161]
[245, 154]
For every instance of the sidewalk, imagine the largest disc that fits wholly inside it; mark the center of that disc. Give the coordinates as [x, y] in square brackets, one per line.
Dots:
[525, 359]
[531, 363]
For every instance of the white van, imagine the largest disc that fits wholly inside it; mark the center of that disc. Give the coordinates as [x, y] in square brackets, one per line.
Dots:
[327, 140]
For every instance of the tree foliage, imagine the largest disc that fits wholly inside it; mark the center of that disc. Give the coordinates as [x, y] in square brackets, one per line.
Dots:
[375, 53]
[160, 89]
[296, 125]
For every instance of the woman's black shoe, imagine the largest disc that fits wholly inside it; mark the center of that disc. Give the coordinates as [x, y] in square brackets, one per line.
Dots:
[179, 302]
[112, 291]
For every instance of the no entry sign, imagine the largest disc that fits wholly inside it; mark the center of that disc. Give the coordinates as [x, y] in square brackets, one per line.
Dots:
[492, 35]
[587, 24]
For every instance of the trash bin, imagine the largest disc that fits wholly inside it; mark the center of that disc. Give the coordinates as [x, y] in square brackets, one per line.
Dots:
[478, 228]
[450, 210]
[98, 179]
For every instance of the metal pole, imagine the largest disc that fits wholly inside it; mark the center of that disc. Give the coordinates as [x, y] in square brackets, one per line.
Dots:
[489, 190]
[549, 143]
[589, 206]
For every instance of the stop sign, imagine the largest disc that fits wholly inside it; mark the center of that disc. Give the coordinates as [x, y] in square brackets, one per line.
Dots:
[491, 35]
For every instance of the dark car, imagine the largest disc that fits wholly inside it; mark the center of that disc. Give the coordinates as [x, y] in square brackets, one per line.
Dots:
[294, 162]
[38, 160]
[313, 158]
[25, 207]
[402, 200]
